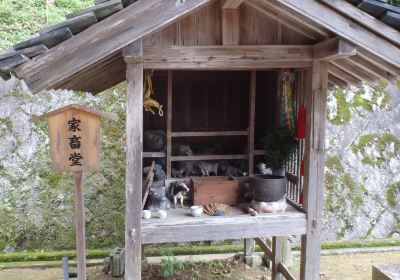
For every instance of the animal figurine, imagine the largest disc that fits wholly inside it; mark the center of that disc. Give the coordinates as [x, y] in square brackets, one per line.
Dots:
[153, 140]
[229, 170]
[177, 173]
[177, 190]
[157, 199]
[186, 166]
[207, 168]
[159, 173]
[263, 168]
[269, 207]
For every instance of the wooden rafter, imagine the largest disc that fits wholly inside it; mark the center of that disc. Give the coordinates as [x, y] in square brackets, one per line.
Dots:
[328, 18]
[350, 67]
[381, 63]
[334, 48]
[337, 81]
[343, 75]
[372, 68]
[102, 39]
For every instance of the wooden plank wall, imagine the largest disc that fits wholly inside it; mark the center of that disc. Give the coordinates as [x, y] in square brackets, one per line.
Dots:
[204, 27]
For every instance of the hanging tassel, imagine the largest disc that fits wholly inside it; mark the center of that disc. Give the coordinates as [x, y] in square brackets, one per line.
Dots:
[149, 103]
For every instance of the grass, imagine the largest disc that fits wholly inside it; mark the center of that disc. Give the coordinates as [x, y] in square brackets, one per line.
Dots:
[27, 258]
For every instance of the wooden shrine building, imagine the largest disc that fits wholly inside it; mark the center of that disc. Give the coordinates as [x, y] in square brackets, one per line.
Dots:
[216, 65]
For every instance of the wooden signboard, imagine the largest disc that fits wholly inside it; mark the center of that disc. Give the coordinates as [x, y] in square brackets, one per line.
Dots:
[74, 133]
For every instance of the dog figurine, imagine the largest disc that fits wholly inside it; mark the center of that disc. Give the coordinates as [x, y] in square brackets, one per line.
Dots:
[177, 190]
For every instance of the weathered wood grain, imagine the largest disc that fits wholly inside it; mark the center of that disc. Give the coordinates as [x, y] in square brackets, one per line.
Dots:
[134, 146]
[365, 19]
[350, 67]
[209, 133]
[230, 26]
[265, 248]
[286, 272]
[344, 75]
[80, 226]
[337, 81]
[314, 156]
[236, 226]
[342, 26]
[334, 48]
[278, 257]
[94, 44]
[231, 4]
[372, 68]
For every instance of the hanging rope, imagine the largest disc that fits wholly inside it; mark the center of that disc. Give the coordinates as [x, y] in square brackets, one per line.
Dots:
[149, 103]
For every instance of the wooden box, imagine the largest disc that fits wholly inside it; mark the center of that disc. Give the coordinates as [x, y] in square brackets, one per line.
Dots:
[217, 189]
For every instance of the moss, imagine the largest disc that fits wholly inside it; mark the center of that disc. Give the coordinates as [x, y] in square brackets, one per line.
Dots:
[392, 192]
[334, 163]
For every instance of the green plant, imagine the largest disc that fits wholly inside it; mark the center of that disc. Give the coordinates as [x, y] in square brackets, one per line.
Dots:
[170, 265]
[280, 146]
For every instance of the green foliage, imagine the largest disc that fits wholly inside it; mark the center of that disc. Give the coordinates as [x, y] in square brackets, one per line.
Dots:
[385, 147]
[20, 19]
[394, 2]
[393, 194]
[169, 265]
[280, 145]
[364, 100]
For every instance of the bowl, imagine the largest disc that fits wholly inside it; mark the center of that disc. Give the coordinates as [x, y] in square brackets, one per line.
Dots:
[196, 210]
[146, 214]
[162, 214]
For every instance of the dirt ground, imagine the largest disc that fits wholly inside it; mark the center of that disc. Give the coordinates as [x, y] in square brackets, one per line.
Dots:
[341, 267]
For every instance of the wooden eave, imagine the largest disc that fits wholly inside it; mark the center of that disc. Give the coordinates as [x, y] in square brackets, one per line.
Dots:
[92, 60]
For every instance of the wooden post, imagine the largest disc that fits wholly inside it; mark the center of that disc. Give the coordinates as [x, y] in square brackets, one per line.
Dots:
[252, 120]
[314, 155]
[80, 226]
[277, 250]
[169, 124]
[134, 140]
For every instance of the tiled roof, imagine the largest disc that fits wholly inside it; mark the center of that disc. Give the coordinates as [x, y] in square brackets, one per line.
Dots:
[53, 35]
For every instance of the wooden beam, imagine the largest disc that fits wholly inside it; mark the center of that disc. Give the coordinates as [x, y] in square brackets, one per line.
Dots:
[381, 63]
[230, 26]
[344, 75]
[337, 81]
[208, 157]
[169, 124]
[231, 4]
[209, 133]
[372, 68]
[103, 39]
[227, 57]
[344, 27]
[134, 146]
[252, 120]
[285, 272]
[365, 19]
[277, 250]
[265, 248]
[290, 22]
[80, 226]
[334, 48]
[350, 67]
[314, 156]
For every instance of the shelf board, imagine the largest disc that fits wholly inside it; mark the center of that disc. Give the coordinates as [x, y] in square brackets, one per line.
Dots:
[181, 226]
[207, 157]
[209, 133]
[154, 154]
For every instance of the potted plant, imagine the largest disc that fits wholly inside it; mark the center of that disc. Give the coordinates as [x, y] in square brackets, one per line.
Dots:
[280, 146]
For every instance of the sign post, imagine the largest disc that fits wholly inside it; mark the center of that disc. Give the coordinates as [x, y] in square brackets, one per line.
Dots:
[74, 133]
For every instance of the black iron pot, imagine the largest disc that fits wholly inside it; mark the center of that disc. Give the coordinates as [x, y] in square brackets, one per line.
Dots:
[268, 188]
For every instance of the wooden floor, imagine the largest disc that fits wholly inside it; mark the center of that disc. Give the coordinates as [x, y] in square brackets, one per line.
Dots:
[181, 226]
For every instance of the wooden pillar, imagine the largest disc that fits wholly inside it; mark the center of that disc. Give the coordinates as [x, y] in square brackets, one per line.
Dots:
[230, 22]
[80, 226]
[134, 138]
[169, 124]
[278, 256]
[252, 120]
[314, 156]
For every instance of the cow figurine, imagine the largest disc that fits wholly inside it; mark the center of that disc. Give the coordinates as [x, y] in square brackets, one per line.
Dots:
[177, 190]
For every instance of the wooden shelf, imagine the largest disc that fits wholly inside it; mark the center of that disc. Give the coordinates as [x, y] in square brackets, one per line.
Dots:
[154, 154]
[180, 225]
[259, 153]
[209, 133]
[207, 157]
